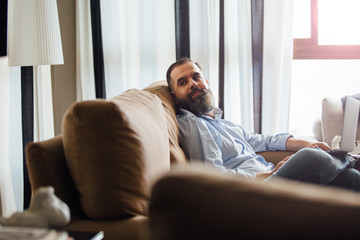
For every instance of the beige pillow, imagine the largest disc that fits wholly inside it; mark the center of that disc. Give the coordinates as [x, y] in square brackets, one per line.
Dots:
[116, 150]
[332, 120]
[161, 89]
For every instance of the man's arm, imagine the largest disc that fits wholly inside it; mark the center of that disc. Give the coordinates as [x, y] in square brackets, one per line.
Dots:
[293, 144]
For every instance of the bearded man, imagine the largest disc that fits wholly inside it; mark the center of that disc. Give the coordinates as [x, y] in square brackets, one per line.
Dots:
[206, 137]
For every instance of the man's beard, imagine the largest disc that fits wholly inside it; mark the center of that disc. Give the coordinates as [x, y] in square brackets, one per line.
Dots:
[201, 104]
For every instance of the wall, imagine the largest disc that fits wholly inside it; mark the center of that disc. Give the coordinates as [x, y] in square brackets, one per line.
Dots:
[64, 76]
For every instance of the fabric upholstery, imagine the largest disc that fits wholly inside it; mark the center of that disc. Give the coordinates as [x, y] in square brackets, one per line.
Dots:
[47, 166]
[161, 89]
[199, 203]
[116, 150]
[332, 120]
[134, 228]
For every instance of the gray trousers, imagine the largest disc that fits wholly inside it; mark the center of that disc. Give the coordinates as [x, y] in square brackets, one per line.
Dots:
[316, 166]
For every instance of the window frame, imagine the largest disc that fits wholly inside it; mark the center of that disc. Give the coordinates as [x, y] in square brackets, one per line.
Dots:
[310, 49]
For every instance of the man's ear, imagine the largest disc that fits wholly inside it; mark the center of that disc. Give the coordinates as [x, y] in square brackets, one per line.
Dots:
[173, 96]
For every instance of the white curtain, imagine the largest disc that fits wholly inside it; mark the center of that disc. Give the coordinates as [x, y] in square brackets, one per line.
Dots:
[204, 39]
[278, 50]
[138, 42]
[7, 200]
[43, 104]
[204, 46]
[11, 154]
[85, 83]
[238, 63]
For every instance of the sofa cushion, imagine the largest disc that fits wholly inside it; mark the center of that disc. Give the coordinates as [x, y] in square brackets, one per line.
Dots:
[332, 119]
[161, 89]
[116, 150]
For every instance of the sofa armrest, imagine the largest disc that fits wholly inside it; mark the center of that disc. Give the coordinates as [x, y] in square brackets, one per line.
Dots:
[198, 203]
[47, 166]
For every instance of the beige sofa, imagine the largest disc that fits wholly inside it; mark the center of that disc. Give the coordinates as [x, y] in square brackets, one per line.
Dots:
[113, 152]
[331, 121]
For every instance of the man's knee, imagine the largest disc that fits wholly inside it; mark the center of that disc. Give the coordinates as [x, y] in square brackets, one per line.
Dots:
[349, 179]
[313, 156]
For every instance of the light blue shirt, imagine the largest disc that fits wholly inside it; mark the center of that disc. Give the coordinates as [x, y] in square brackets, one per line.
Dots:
[226, 145]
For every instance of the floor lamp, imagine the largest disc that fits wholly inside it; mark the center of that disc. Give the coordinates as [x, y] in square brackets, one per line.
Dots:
[33, 39]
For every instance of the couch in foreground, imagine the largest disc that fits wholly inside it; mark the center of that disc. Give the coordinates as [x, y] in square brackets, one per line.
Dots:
[113, 152]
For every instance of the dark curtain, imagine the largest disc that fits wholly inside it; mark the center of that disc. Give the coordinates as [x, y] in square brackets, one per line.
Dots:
[222, 57]
[182, 29]
[27, 115]
[99, 71]
[257, 25]
[3, 27]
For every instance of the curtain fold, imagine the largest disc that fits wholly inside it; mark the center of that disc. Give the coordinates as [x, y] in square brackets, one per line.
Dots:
[204, 40]
[238, 63]
[204, 46]
[85, 80]
[7, 200]
[277, 52]
[43, 104]
[138, 42]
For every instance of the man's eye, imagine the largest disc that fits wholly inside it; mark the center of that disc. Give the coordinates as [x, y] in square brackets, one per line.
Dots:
[196, 78]
[182, 83]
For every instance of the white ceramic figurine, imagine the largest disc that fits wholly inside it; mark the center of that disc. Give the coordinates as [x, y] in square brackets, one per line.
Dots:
[45, 210]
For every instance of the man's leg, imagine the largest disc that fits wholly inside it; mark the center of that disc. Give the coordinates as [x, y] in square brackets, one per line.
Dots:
[317, 166]
[349, 179]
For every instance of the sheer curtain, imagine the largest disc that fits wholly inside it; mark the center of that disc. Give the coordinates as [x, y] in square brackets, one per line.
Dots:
[11, 158]
[43, 104]
[7, 200]
[85, 80]
[204, 46]
[238, 63]
[204, 39]
[138, 42]
[278, 50]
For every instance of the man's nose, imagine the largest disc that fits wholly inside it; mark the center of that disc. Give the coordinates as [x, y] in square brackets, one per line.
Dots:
[194, 84]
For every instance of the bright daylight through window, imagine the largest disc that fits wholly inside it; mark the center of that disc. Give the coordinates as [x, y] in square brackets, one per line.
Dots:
[326, 58]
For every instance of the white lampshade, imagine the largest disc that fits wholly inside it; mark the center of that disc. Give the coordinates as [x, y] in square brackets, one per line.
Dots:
[34, 33]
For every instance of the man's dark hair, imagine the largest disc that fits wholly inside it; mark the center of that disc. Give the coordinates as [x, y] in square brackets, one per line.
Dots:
[179, 62]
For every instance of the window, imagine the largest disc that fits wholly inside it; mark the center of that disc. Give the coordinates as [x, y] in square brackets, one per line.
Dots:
[326, 29]
[326, 58]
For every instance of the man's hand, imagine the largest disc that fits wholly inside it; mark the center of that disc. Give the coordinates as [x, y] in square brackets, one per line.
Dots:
[294, 144]
[281, 163]
[264, 175]
[321, 145]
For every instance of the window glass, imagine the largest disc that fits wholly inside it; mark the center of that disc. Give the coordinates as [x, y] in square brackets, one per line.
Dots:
[302, 19]
[313, 80]
[339, 22]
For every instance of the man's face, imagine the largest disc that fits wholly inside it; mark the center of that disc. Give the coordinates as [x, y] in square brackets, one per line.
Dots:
[190, 89]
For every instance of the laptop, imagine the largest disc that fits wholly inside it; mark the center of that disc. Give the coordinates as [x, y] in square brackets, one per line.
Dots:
[350, 123]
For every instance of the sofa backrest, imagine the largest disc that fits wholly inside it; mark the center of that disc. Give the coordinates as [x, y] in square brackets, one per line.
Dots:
[161, 89]
[116, 149]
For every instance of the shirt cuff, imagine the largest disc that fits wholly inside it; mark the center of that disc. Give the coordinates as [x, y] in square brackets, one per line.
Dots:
[279, 142]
